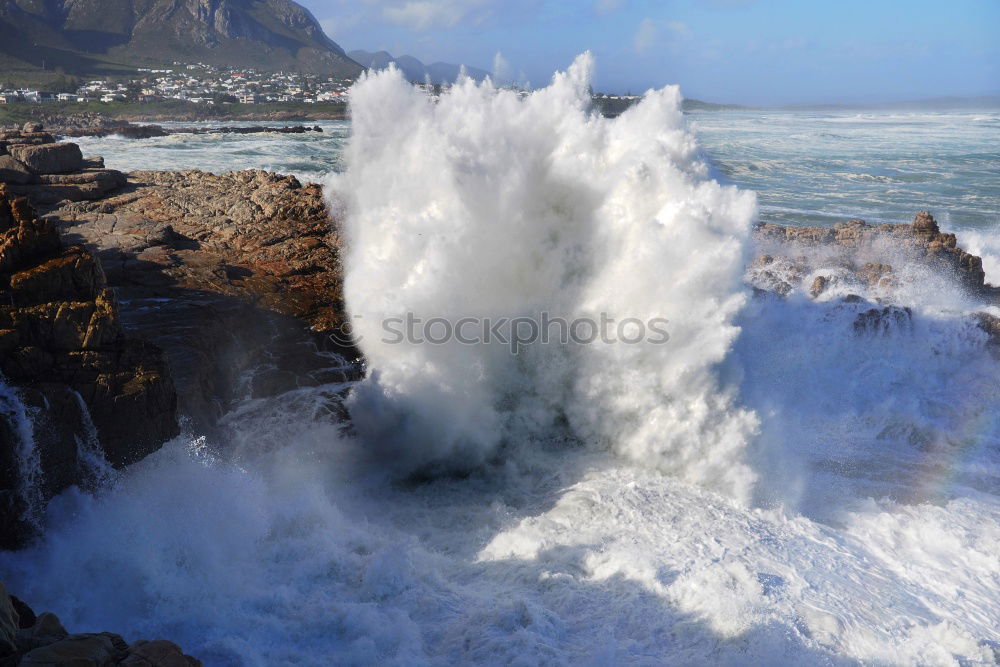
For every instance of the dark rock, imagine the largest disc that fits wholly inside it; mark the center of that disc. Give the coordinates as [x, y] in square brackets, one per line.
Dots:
[29, 640]
[13, 171]
[96, 649]
[31, 126]
[158, 653]
[8, 624]
[230, 274]
[875, 274]
[60, 158]
[64, 349]
[25, 616]
[883, 321]
[991, 325]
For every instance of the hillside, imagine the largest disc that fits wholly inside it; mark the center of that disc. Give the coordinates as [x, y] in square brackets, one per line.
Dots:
[413, 69]
[101, 36]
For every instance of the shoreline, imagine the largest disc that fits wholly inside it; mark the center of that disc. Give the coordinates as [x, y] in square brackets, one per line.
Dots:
[97, 114]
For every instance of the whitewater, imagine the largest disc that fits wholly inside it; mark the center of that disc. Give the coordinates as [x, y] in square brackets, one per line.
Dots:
[764, 488]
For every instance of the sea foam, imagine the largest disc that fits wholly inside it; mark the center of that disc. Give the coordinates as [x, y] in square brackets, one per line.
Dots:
[487, 203]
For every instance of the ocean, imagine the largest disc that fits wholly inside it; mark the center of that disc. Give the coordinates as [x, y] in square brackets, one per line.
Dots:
[764, 488]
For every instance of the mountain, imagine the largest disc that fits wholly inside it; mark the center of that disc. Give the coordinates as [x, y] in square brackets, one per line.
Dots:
[86, 35]
[413, 69]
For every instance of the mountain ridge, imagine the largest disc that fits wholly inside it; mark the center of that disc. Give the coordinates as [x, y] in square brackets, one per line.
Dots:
[269, 34]
[413, 69]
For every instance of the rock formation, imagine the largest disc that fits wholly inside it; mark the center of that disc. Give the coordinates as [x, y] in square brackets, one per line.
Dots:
[922, 241]
[867, 258]
[30, 639]
[235, 275]
[62, 347]
[34, 165]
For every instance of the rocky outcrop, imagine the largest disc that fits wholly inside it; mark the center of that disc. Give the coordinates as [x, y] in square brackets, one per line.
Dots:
[36, 640]
[34, 165]
[236, 276]
[921, 241]
[62, 347]
[54, 158]
[854, 258]
[255, 235]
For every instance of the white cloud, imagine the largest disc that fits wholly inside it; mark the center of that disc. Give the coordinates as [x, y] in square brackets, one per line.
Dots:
[674, 35]
[426, 14]
[645, 36]
[342, 16]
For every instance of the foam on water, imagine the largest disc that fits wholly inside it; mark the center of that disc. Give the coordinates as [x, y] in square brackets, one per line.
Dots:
[26, 457]
[307, 156]
[773, 486]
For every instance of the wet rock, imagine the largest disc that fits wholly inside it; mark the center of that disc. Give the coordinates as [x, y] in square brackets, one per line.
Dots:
[819, 285]
[775, 274]
[26, 639]
[60, 158]
[924, 223]
[25, 616]
[65, 352]
[96, 649]
[883, 321]
[875, 274]
[991, 325]
[848, 241]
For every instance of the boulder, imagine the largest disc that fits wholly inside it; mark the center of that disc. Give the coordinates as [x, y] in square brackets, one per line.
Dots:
[32, 126]
[25, 616]
[44, 630]
[819, 285]
[13, 171]
[97, 649]
[27, 639]
[158, 653]
[59, 158]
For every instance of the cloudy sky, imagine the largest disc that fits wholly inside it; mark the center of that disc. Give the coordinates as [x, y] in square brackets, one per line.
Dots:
[749, 51]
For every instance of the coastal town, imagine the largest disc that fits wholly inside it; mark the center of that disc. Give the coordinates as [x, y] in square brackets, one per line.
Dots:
[196, 83]
[209, 85]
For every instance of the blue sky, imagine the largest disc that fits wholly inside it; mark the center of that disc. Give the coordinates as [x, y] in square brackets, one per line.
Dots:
[747, 51]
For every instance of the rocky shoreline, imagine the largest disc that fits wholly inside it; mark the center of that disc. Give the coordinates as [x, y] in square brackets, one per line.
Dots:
[128, 301]
[31, 639]
[129, 131]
